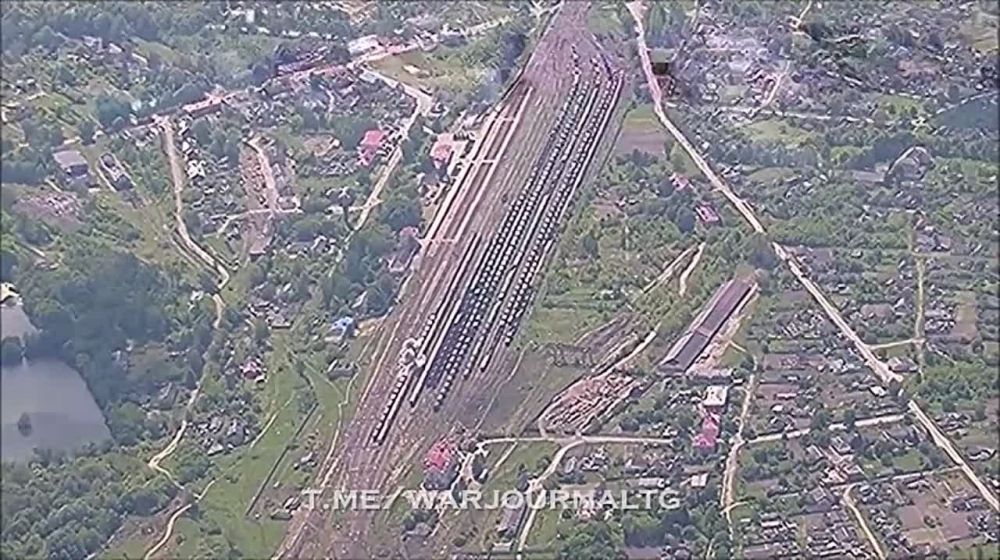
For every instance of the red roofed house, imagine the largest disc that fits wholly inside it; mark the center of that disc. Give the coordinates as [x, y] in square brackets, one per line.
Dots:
[707, 215]
[369, 146]
[253, 370]
[708, 438]
[440, 465]
[680, 182]
[441, 151]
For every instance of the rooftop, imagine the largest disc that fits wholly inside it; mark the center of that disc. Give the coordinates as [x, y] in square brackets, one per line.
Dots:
[68, 159]
[373, 139]
[715, 396]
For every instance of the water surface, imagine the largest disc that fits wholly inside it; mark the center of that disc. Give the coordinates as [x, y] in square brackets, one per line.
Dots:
[62, 411]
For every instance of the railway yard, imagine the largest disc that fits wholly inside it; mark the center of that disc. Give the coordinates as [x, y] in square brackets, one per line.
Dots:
[516, 280]
[448, 340]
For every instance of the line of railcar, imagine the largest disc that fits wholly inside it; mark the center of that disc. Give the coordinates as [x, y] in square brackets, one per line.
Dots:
[500, 289]
[522, 243]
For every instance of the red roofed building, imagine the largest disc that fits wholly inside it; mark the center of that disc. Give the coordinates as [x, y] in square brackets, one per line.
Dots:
[369, 146]
[440, 465]
[708, 437]
[440, 456]
[680, 182]
[707, 215]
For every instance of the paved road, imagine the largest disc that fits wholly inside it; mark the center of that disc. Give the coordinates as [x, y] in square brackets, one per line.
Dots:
[886, 345]
[792, 434]
[877, 365]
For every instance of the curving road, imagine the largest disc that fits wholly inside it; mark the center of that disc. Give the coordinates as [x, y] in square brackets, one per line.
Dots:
[729, 475]
[177, 175]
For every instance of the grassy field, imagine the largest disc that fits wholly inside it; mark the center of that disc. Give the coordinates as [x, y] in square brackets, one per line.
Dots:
[549, 528]
[436, 72]
[770, 174]
[778, 130]
[984, 551]
[683, 163]
[641, 118]
[562, 324]
[533, 456]
[981, 31]
[898, 103]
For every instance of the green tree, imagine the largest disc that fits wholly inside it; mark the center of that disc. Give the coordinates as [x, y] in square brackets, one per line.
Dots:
[850, 418]
[685, 220]
[260, 330]
[401, 210]
[87, 130]
[593, 541]
[11, 351]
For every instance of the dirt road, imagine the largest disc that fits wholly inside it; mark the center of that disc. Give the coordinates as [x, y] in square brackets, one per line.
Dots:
[423, 106]
[849, 502]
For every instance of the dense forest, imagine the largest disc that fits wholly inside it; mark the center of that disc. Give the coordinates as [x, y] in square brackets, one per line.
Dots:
[115, 319]
[118, 321]
[70, 508]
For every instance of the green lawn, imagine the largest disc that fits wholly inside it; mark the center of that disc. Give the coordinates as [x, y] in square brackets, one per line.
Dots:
[548, 527]
[778, 130]
[683, 163]
[529, 454]
[911, 461]
[561, 324]
[898, 102]
[641, 118]
[770, 174]
[439, 70]
[985, 551]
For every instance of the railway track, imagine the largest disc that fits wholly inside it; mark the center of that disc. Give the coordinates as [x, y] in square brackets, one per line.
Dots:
[482, 310]
[500, 292]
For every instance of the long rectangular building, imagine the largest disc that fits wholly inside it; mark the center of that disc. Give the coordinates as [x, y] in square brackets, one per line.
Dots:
[716, 312]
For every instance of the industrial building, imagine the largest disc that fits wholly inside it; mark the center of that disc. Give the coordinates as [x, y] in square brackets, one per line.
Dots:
[720, 307]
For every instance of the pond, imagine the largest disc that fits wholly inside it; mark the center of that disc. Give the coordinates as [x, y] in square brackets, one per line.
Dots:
[62, 411]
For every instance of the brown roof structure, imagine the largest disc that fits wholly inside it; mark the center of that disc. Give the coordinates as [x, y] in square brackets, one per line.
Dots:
[719, 308]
